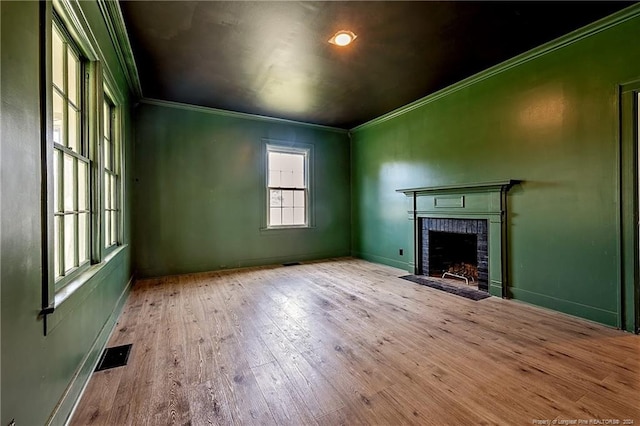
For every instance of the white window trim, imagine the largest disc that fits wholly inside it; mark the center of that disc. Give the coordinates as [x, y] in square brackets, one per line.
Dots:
[291, 148]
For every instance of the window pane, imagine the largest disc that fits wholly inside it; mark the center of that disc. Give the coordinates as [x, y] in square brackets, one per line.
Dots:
[73, 65]
[107, 154]
[287, 198]
[287, 179]
[83, 237]
[297, 163]
[69, 183]
[287, 216]
[291, 162]
[69, 241]
[298, 216]
[297, 166]
[82, 185]
[273, 172]
[107, 228]
[275, 161]
[297, 179]
[274, 178]
[74, 134]
[275, 217]
[114, 157]
[56, 247]
[58, 60]
[56, 180]
[58, 118]
[275, 198]
[107, 197]
[113, 227]
[298, 198]
[112, 192]
[106, 120]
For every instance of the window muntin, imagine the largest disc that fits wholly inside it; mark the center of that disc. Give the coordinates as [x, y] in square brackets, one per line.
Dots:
[71, 161]
[73, 156]
[111, 175]
[287, 186]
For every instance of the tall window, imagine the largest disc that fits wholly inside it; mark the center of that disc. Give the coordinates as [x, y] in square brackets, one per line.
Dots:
[70, 159]
[287, 186]
[111, 177]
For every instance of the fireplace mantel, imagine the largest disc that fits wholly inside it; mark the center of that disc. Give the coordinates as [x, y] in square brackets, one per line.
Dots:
[498, 185]
[480, 200]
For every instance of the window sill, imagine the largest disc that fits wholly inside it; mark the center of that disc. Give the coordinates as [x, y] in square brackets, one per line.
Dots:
[65, 292]
[275, 229]
[71, 296]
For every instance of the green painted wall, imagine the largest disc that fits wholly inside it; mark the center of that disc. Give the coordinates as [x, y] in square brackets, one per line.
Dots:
[199, 197]
[552, 122]
[36, 369]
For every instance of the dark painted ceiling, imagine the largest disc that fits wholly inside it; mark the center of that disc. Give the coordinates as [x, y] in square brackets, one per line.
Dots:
[273, 58]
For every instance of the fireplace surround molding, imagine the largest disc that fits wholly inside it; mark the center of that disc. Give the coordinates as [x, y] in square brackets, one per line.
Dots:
[481, 200]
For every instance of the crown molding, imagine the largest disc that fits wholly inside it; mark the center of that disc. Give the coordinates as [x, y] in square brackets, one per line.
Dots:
[234, 114]
[617, 18]
[112, 15]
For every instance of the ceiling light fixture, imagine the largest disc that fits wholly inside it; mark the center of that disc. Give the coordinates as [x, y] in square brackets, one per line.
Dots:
[342, 38]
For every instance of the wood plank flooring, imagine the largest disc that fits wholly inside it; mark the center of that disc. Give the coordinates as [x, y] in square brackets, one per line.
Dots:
[345, 341]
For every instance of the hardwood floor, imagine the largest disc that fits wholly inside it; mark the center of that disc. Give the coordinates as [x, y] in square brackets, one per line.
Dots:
[346, 342]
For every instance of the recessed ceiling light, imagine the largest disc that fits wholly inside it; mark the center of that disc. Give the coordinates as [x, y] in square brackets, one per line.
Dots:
[342, 38]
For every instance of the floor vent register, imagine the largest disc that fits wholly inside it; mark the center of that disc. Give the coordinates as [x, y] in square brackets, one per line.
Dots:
[116, 356]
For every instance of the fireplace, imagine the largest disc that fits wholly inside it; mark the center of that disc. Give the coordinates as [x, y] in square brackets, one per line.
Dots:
[461, 224]
[458, 246]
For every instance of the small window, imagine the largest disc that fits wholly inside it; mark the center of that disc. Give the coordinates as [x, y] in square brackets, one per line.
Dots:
[287, 187]
[71, 164]
[111, 175]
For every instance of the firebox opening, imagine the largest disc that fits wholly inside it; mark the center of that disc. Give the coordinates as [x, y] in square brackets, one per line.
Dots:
[445, 242]
[454, 253]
